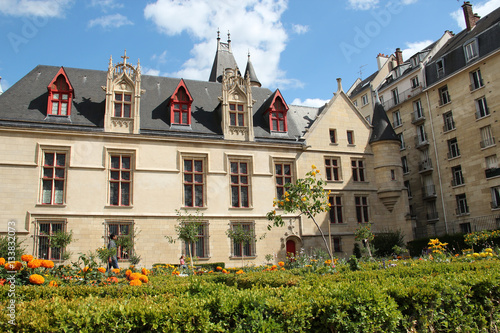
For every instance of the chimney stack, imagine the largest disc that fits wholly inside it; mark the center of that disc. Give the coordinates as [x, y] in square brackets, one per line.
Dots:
[399, 56]
[339, 85]
[470, 18]
[381, 59]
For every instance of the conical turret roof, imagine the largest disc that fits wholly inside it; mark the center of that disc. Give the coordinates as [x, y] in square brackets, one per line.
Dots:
[382, 128]
[251, 73]
[223, 59]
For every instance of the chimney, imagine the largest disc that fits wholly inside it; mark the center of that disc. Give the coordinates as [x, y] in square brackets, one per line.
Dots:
[339, 85]
[470, 17]
[399, 56]
[381, 60]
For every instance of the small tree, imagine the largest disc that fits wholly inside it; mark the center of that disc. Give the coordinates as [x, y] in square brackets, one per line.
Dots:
[364, 233]
[238, 234]
[61, 239]
[187, 230]
[306, 196]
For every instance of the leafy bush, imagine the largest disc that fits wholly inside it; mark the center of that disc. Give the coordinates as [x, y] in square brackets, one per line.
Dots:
[385, 242]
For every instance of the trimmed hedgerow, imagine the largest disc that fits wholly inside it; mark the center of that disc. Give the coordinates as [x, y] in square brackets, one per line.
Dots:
[423, 296]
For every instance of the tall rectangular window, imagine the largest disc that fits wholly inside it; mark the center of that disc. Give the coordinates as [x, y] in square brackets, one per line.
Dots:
[396, 119]
[350, 137]
[336, 215]
[414, 82]
[481, 108]
[283, 176]
[453, 150]
[244, 249]
[476, 80]
[53, 177]
[402, 141]
[240, 184]
[122, 229]
[418, 110]
[487, 139]
[332, 168]
[458, 178]
[364, 99]
[404, 163]
[200, 247]
[449, 124]
[120, 180]
[358, 170]
[444, 96]
[333, 136]
[194, 182]
[421, 135]
[440, 68]
[361, 209]
[462, 207]
[337, 244]
[495, 197]
[236, 115]
[395, 96]
[43, 247]
[123, 104]
[408, 188]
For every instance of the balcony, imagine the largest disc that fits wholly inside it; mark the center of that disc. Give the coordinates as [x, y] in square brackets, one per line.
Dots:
[421, 142]
[449, 125]
[425, 165]
[488, 142]
[402, 97]
[417, 117]
[493, 172]
[429, 192]
[462, 210]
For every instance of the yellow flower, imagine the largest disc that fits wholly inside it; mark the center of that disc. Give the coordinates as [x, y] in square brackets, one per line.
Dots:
[313, 166]
[304, 199]
[313, 173]
[239, 272]
[102, 269]
[286, 199]
[281, 263]
[317, 171]
[286, 194]
[116, 270]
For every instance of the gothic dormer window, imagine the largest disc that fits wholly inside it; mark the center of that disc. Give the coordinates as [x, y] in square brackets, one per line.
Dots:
[123, 104]
[60, 95]
[236, 114]
[180, 105]
[277, 114]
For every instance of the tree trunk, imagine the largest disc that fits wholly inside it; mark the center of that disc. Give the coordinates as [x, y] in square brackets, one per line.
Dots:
[322, 235]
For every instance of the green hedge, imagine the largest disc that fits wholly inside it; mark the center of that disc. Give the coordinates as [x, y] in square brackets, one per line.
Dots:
[424, 296]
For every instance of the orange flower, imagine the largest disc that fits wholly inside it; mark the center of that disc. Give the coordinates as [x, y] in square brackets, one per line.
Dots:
[26, 257]
[13, 266]
[35, 263]
[87, 269]
[273, 267]
[281, 264]
[145, 271]
[102, 269]
[2, 261]
[144, 278]
[36, 279]
[219, 268]
[282, 268]
[225, 272]
[53, 283]
[116, 270]
[47, 263]
[134, 276]
[112, 279]
[135, 283]
[240, 272]
[128, 272]
[176, 273]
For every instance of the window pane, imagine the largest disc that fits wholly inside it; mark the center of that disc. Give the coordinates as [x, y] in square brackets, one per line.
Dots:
[188, 165]
[188, 178]
[244, 196]
[118, 110]
[125, 194]
[184, 117]
[240, 120]
[234, 196]
[115, 175]
[113, 193]
[240, 107]
[188, 196]
[47, 192]
[198, 166]
[126, 110]
[59, 191]
[59, 173]
[244, 180]
[118, 97]
[243, 168]
[125, 175]
[61, 159]
[198, 178]
[232, 118]
[278, 168]
[125, 162]
[48, 173]
[234, 167]
[128, 98]
[64, 109]
[177, 117]
[49, 158]
[55, 96]
[198, 189]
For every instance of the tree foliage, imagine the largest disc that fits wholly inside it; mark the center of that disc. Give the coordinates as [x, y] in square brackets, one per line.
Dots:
[305, 196]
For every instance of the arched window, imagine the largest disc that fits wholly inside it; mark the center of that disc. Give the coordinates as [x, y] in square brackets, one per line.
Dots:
[60, 94]
[180, 106]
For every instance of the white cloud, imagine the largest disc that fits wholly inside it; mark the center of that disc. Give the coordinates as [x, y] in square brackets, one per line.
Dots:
[482, 9]
[408, 2]
[110, 21]
[412, 48]
[38, 8]
[150, 71]
[300, 29]
[105, 4]
[161, 58]
[313, 102]
[265, 40]
[363, 4]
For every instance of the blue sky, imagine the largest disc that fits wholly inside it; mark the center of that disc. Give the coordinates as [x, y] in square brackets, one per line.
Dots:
[298, 46]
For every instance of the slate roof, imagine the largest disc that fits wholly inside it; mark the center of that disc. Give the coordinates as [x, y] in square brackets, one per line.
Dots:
[487, 32]
[362, 85]
[382, 128]
[25, 104]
